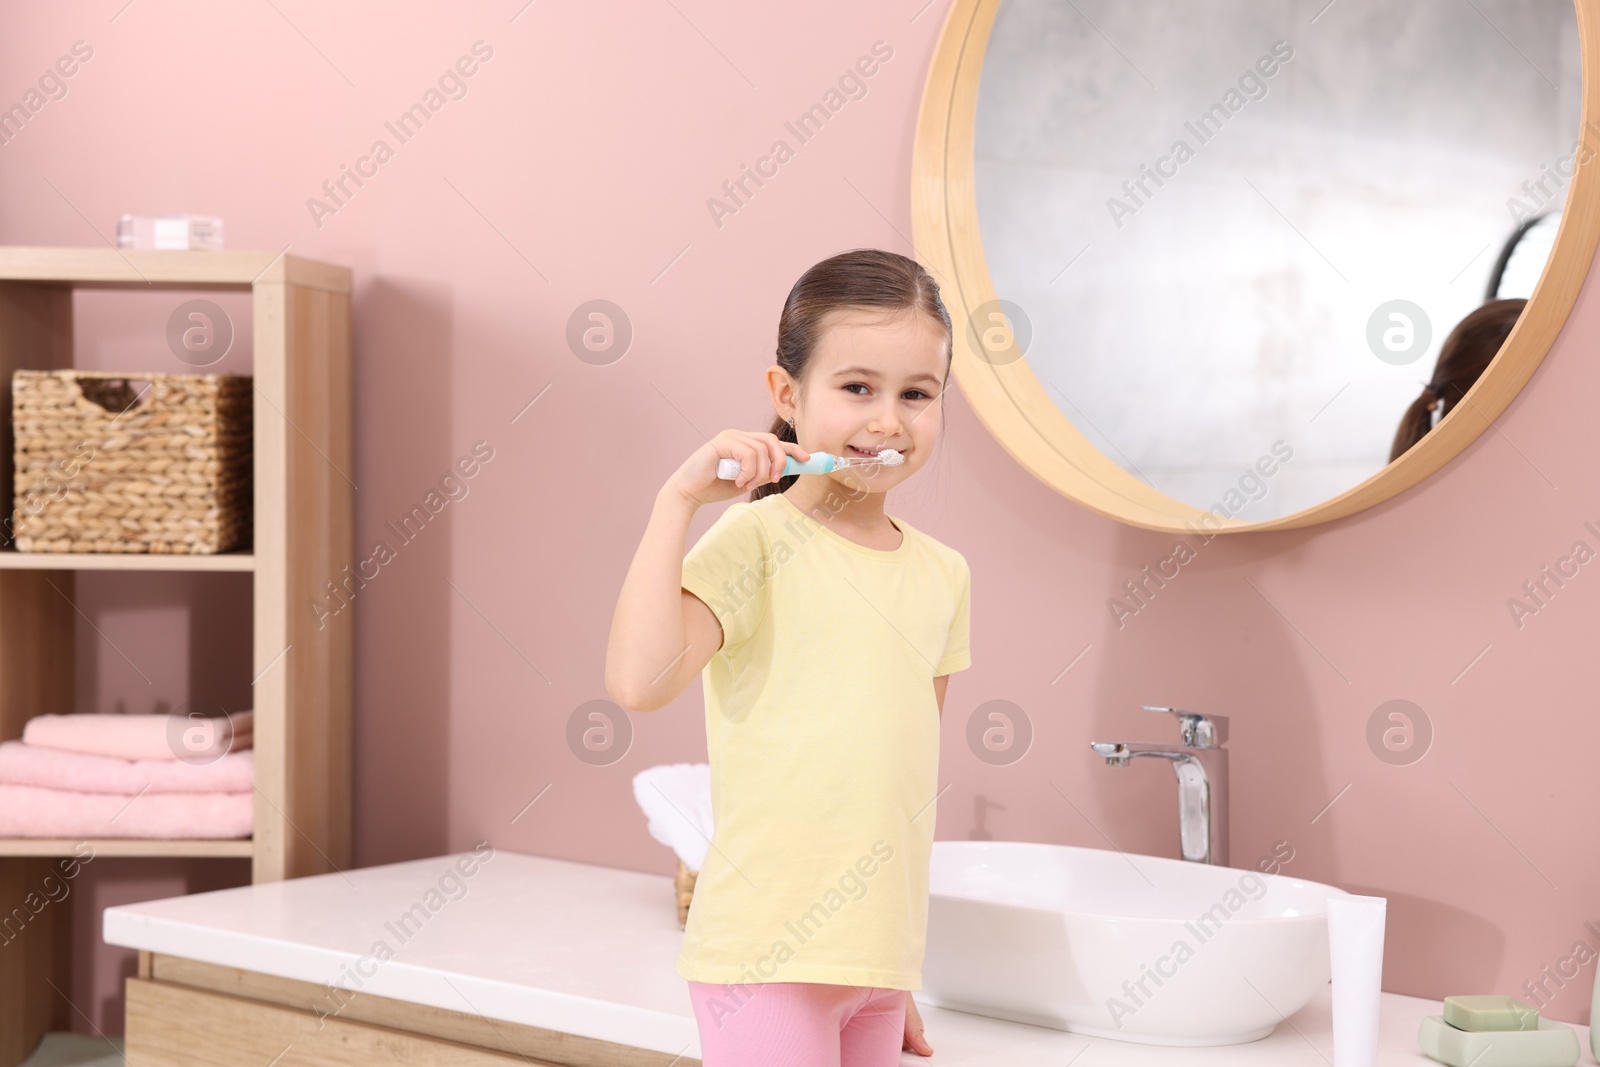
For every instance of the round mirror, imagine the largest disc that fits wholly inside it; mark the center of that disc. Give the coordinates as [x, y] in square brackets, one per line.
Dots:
[1237, 267]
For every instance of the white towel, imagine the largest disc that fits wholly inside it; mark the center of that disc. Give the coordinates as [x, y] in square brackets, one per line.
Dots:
[676, 798]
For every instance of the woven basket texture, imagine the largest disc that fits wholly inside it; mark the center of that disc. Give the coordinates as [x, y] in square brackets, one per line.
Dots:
[101, 466]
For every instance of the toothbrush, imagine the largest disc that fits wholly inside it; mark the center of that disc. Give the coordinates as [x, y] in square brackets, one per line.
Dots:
[819, 463]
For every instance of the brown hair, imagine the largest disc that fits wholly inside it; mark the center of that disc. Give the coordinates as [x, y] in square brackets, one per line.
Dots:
[1463, 357]
[859, 278]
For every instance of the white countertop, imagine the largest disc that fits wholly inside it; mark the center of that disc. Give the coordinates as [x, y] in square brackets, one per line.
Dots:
[590, 951]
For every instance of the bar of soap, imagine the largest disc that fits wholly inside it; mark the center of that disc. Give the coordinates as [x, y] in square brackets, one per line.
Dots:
[1490, 1013]
[1552, 1045]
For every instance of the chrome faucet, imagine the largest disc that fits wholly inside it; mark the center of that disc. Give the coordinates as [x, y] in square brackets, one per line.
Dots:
[1201, 764]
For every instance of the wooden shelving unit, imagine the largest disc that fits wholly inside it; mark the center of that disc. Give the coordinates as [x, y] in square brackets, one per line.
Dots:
[303, 537]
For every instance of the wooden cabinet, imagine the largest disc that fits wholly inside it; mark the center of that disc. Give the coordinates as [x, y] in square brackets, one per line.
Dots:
[246, 1019]
[302, 539]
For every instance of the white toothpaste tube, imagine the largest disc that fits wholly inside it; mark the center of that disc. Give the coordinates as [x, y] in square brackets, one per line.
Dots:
[1355, 951]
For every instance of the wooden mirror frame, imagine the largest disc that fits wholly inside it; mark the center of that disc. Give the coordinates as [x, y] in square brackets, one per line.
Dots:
[1012, 402]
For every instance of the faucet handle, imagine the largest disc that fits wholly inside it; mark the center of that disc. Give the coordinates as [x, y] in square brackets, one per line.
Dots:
[1198, 730]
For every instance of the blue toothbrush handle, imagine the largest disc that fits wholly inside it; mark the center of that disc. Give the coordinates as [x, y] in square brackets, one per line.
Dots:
[819, 463]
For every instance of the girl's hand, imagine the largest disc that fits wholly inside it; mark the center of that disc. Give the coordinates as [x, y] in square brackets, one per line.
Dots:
[761, 459]
[914, 1041]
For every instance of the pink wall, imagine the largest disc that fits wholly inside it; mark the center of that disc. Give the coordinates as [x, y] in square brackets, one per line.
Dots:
[578, 167]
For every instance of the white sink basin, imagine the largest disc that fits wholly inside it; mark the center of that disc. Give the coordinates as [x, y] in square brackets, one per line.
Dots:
[1136, 948]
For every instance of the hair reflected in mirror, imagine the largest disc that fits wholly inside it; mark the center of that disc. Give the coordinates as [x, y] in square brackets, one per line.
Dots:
[1463, 358]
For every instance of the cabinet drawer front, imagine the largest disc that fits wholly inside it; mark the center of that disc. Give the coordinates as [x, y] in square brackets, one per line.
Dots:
[176, 1026]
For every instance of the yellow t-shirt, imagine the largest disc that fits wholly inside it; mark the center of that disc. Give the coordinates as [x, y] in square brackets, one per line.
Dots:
[823, 732]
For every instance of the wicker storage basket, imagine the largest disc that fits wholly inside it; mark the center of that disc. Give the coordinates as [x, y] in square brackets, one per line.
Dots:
[685, 883]
[100, 468]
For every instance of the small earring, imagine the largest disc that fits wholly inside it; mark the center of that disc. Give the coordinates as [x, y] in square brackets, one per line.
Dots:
[790, 422]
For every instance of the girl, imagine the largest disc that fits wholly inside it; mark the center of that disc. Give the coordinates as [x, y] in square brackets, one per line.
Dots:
[826, 630]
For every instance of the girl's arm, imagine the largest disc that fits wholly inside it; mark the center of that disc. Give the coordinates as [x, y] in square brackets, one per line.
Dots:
[657, 642]
[661, 635]
[939, 685]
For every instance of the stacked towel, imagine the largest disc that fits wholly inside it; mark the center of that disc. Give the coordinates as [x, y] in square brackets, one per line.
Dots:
[24, 763]
[160, 737]
[26, 811]
[147, 776]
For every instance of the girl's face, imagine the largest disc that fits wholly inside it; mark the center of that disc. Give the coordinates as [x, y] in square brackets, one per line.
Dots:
[874, 383]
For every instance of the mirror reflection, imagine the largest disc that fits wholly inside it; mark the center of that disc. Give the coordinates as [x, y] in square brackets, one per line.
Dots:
[1260, 249]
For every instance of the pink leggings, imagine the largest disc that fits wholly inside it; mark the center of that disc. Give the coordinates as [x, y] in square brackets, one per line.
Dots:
[798, 1024]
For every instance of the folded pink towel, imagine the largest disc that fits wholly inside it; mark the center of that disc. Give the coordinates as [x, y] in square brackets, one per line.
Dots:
[135, 737]
[54, 768]
[29, 811]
